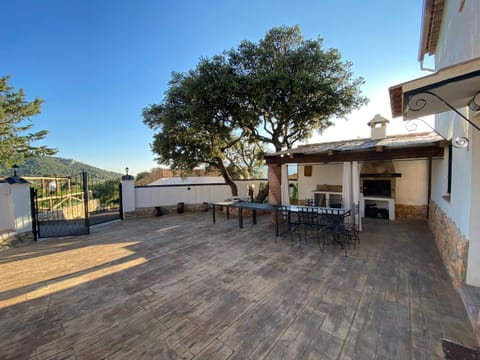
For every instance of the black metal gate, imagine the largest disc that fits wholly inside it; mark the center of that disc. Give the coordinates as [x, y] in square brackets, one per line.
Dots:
[64, 206]
[104, 195]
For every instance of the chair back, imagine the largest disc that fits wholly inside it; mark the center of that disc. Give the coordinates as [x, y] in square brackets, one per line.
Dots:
[310, 202]
[308, 216]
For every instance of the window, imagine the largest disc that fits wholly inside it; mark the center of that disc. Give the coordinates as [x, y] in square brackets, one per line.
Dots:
[307, 170]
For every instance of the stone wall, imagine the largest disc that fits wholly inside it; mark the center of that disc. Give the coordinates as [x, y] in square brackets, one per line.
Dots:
[411, 211]
[451, 244]
[10, 239]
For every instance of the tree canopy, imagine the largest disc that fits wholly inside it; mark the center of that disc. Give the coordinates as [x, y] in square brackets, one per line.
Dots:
[16, 142]
[197, 120]
[293, 86]
[277, 91]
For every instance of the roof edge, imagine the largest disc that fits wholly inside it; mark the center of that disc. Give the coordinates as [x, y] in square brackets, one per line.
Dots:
[432, 16]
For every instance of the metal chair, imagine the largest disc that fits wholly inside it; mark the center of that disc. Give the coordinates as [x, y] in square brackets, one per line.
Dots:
[349, 233]
[310, 222]
[289, 221]
[335, 220]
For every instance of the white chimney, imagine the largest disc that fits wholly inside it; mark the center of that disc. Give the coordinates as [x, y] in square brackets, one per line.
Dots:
[378, 127]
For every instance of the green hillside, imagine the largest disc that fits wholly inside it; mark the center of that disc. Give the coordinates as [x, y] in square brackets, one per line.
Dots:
[55, 166]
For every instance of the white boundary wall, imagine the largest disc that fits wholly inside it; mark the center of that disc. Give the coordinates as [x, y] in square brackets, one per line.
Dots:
[168, 195]
[6, 208]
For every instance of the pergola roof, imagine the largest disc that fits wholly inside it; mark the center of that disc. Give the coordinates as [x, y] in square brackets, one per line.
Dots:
[405, 146]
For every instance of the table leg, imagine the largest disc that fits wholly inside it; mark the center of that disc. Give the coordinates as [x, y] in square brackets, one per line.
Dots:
[254, 217]
[240, 217]
[276, 223]
[213, 208]
[228, 212]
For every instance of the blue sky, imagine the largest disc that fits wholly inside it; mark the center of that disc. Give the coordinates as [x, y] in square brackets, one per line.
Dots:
[97, 64]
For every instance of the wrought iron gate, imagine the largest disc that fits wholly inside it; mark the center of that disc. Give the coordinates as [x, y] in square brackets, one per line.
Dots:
[64, 206]
[104, 195]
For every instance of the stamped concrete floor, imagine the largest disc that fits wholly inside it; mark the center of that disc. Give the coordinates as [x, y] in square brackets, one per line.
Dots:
[178, 286]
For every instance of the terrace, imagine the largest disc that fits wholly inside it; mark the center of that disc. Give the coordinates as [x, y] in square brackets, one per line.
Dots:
[178, 286]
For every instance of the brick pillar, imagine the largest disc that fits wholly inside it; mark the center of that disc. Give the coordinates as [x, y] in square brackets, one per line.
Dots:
[274, 184]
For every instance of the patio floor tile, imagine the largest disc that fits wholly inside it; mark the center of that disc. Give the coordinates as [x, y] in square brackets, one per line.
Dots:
[180, 287]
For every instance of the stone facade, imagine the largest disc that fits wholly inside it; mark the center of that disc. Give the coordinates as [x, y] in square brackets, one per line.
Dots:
[411, 211]
[11, 239]
[451, 244]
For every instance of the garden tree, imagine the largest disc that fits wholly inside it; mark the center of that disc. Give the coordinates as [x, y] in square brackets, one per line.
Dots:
[15, 138]
[141, 175]
[245, 159]
[197, 120]
[292, 86]
[275, 92]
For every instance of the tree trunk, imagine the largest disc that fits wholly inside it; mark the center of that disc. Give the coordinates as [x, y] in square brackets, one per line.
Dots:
[227, 177]
[262, 195]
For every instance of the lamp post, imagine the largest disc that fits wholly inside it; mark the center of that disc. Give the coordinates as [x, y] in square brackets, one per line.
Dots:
[126, 171]
[15, 169]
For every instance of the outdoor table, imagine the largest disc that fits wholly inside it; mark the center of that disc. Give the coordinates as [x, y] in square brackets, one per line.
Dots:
[226, 204]
[254, 207]
[240, 205]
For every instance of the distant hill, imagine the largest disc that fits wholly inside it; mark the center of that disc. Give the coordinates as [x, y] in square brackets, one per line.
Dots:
[56, 166]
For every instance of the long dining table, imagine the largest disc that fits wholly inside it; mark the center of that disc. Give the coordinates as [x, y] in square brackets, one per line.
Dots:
[240, 205]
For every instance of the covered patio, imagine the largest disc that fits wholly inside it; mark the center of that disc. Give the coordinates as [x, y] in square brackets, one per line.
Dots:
[178, 286]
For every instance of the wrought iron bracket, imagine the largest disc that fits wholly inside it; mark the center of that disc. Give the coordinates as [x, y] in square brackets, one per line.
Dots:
[459, 142]
[420, 103]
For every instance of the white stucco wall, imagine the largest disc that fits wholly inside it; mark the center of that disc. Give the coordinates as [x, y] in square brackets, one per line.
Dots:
[6, 208]
[128, 195]
[459, 35]
[21, 208]
[458, 42]
[331, 174]
[473, 263]
[412, 186]
[150, 196]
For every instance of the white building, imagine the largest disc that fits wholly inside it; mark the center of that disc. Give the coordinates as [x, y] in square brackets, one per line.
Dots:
[451, 34]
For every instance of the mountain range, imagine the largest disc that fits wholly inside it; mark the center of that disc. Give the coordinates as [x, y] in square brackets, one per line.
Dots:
[56, 166]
